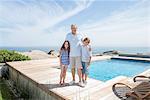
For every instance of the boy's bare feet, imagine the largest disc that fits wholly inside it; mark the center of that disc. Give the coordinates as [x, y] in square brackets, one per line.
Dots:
[81, 84]
[85, 82]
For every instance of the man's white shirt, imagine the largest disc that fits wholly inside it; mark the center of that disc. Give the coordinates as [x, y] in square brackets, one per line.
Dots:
[75, 44]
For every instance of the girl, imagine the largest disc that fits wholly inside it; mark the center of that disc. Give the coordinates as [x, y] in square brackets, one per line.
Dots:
[64, 61]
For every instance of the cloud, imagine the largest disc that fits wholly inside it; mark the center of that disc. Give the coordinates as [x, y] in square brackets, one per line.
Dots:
[27, 21]
[129, 27]
[34, 23]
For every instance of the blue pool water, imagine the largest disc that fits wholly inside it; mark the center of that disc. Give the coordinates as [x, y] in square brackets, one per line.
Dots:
[108, 69]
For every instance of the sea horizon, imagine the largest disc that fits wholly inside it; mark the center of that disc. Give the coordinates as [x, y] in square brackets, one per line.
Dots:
[95, 49]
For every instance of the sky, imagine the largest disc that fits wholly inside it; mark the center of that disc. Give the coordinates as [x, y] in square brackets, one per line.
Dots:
[108, 23]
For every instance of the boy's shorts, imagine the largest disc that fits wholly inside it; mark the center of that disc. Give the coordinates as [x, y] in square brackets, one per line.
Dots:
[75, 62]
[85, 68]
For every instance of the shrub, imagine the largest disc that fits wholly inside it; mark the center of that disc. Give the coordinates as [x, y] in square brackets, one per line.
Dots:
[7, 56]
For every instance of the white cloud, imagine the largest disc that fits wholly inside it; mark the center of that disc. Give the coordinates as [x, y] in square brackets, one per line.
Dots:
[33, 23]
[27, 21]
[124, 28]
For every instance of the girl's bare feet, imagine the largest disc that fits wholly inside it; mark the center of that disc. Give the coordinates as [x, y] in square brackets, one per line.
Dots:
[63, 83]
[60, 83]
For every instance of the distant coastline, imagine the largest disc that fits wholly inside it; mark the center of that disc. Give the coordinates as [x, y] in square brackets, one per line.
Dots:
[94, 49]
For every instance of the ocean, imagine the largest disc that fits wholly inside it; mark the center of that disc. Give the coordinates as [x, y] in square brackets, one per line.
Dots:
[94, 49]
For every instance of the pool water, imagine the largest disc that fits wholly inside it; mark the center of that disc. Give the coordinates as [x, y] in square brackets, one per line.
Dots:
[108, 69]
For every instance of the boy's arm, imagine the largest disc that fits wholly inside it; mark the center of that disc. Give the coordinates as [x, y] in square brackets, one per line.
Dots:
[89, 61]
[90, 51]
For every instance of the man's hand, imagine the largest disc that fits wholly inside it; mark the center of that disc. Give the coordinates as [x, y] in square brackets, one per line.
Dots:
[81, 67]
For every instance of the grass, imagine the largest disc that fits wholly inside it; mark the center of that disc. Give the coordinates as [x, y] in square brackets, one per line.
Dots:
[0, 96]
[5, 93]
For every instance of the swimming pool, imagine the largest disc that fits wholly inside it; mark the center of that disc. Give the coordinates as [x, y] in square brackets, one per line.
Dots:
[108, 69]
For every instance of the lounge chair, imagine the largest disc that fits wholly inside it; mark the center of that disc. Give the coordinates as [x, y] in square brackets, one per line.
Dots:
[138, 90]
[141, 78]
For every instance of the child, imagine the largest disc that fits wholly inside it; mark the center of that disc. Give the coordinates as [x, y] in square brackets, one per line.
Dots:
[64, 61]
[86, 58]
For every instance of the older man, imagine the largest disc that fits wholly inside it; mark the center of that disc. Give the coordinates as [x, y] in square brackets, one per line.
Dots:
[75, 40]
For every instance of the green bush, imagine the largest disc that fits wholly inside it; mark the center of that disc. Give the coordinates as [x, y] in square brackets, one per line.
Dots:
[7, 56]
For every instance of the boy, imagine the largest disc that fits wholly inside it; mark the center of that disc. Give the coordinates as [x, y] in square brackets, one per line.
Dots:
[86, 58]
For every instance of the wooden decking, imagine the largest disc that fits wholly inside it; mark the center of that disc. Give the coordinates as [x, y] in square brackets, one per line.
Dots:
[45, 73]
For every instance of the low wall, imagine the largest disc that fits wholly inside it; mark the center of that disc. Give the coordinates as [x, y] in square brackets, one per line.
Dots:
[29, 88]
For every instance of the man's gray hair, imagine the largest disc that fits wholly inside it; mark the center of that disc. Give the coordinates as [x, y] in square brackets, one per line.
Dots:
[73, 25]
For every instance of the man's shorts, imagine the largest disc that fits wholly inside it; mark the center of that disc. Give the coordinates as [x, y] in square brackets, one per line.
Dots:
[75, 62]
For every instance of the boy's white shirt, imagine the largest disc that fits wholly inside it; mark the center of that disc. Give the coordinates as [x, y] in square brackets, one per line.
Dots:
[86, 53]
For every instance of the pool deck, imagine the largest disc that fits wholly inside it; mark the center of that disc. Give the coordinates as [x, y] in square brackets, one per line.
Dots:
[131, 58]
[45, 73]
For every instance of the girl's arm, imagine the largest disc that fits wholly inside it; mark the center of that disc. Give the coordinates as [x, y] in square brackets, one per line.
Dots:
[60, 57]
